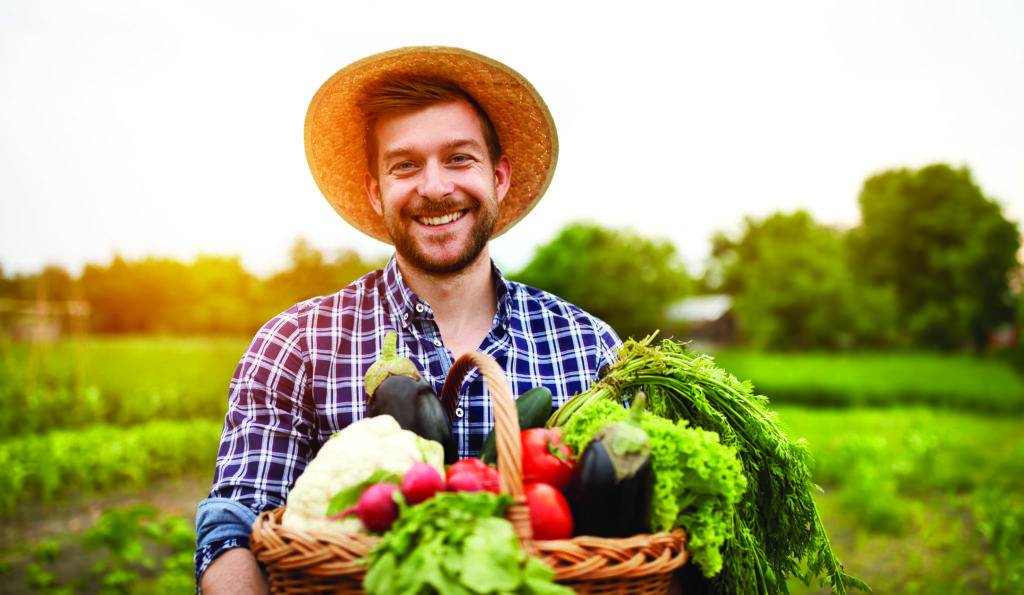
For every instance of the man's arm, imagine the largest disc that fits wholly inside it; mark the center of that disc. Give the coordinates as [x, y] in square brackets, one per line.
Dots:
[269, 434]
[234, 571]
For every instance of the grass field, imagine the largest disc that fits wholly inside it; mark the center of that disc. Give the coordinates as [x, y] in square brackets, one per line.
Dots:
[117, 381]
[881, 379]
[921, 495]
[47, 467]
[920, 501]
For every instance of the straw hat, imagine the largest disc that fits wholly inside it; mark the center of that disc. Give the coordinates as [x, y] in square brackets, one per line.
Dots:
[335, 134]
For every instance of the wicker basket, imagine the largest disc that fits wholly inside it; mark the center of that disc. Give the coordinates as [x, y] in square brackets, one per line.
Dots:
[301, 562]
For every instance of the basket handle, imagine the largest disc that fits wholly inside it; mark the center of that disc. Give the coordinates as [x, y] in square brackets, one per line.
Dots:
[506, 427]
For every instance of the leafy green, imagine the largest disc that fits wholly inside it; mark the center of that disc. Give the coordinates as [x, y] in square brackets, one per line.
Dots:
[49, 466]
[456, 543]
[697, 480]
[350, 495]
[777, 531]
[490, 559]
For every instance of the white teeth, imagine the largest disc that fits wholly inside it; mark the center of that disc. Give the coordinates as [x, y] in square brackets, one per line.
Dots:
[441, 220]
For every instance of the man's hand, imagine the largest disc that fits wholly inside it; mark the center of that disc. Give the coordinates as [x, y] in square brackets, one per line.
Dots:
[234, 571]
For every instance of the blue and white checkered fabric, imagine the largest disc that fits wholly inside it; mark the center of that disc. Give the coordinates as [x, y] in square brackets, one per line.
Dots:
[301, 379]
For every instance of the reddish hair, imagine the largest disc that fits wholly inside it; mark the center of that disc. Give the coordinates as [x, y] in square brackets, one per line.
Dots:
[405, 95]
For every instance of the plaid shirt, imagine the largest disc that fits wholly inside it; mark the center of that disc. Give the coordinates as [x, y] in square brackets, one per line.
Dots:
[301, 381]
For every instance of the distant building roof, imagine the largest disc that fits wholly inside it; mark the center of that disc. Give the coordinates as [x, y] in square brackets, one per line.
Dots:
[700, 308]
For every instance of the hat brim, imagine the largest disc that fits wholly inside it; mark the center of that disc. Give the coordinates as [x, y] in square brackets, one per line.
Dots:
[335, 137]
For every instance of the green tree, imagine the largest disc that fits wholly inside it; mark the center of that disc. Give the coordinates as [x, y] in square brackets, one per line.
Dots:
[621, 277]
[211, 295]
[220, 297]
[311, 274]
[792, 288]
[53, 283]
[944, 249]
[8, 285]
[145, 296]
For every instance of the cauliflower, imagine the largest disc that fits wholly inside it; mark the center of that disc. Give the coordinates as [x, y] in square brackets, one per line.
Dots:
[349, 458]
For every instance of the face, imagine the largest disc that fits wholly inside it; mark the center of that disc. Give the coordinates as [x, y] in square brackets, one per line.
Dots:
[436, 187]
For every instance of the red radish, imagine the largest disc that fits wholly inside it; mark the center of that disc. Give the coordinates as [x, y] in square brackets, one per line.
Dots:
[421, 482]
[376, 507]
[487, 475]
[465, 482]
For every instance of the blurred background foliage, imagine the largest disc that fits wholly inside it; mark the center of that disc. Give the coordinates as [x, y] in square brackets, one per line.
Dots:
[932, 265]
[621, 277]
[889, 346]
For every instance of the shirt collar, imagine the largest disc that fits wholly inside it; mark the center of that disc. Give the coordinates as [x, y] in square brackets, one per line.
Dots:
[407, 306]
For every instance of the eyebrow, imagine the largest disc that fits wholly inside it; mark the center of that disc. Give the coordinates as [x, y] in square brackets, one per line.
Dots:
[451, 144]
[464, 142]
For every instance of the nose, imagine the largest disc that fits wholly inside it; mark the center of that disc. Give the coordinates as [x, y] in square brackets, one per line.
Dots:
[435, 182]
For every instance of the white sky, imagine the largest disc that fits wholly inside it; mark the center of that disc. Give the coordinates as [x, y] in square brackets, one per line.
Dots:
[175, 128]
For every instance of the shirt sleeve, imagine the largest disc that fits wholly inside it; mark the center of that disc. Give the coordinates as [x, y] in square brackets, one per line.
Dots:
[221, 524]
[608, 345]
[269, 436]
[206, 554]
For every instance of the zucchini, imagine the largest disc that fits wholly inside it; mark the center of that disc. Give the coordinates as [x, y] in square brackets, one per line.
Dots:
[533, 407]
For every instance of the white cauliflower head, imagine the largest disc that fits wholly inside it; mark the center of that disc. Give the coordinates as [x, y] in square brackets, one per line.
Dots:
[348, 459]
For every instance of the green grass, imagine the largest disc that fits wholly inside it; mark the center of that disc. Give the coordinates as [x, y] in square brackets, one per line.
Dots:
[113, 380]
[47, 467]
[881, 379]
[131, 380]
[918, 500]
[132, 549]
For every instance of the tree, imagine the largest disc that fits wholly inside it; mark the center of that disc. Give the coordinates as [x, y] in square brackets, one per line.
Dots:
[310, 274]
[944, 249]
[145, 296]
[221, 297]
[621, 277]
[792, 288]
[53, 283]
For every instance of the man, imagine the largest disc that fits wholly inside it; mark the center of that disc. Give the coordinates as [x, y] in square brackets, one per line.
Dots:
[415, 147]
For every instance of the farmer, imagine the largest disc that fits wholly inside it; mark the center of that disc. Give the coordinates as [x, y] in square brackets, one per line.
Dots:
[436, 151]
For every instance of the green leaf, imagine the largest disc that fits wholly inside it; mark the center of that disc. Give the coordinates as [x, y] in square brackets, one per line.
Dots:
[539, 579]
[380, 577]
[490, 561]
[350, 495]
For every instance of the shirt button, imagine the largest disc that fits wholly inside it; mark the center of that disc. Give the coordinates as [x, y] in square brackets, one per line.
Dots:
[405, 316]
[437, 342]
[419, 307]
[458, 412]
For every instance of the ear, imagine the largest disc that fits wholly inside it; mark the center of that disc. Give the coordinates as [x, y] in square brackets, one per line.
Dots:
[372, 187]
[502, 177]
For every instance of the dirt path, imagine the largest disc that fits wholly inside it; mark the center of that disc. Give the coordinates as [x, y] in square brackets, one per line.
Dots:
[35, 523]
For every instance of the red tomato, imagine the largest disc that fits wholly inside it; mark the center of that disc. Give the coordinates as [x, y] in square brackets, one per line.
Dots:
[487, 475]
[549, 512]
[545, 458]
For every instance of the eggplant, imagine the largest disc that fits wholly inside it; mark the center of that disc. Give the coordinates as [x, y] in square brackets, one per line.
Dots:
[416, 408]
[611, 487]
[394, 387]
[389, 365]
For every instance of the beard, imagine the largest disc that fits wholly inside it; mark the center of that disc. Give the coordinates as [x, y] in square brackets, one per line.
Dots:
[420, 257]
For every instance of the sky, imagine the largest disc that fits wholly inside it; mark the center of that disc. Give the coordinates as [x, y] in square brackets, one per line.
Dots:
[176, 128]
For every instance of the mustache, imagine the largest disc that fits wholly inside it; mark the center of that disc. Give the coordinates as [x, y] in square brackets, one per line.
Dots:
[436, 208]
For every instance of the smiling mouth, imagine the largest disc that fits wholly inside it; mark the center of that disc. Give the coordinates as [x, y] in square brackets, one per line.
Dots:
[443, 219]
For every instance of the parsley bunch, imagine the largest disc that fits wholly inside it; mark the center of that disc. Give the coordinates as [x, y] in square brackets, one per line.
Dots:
[777, 531]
